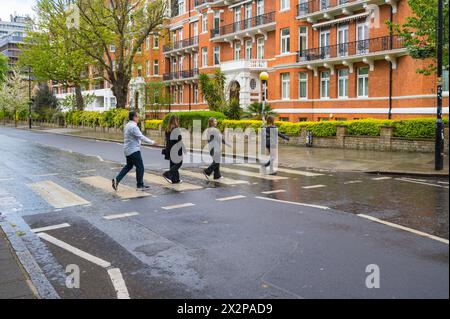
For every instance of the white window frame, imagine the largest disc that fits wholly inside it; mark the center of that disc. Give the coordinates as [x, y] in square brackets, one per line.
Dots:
[303, 81]
[285, 86]
[285, 41]
[237, 50]
[343, 83]
[248, 49]
[285, 5]
[216, 55]
[155, 41]
[204, 57]
[325, 94]
[365, 79]
[156, 67]
[205, 22]
[260, 48]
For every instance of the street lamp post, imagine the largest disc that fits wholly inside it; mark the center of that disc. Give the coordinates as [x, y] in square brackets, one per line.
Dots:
[264, 76]
[29, 99]
[439, 147]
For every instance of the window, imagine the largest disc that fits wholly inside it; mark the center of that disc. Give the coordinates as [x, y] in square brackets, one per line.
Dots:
[285, 5]
[195, 60]
[285, 86]
[139, 71]
[216, 22]
[343, 83]
[156, 67]
[195, 27]
[445, 80]
[325, 43]
[147, 43]
[204, 57]
[303, 38]
[196, 94]
[342, 40]
[248, 15]
[216, 55]
[237, 51]
[303, 85]
[284, 119]
[260, 48]
[181, 93]
[204, 22]
[237, 19]
[259, 7]
[155, 41]
[302, 119]
[147, 72]
[248, 49]
[181, 7]
[325, 85]
[363, 82]
[285, 41]
[180, 63]
[112, 48]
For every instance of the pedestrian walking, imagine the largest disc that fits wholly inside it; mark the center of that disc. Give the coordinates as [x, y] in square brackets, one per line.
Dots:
[132, 149]
[271, 136]
[174, 150]
[215, 139]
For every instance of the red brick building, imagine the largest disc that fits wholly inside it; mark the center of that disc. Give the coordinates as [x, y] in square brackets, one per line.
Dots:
[327, 59]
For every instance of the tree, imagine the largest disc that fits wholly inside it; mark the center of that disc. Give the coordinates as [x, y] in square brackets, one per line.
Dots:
[213, 89]
[254, 111]
[112, 32]
[50, 50]
[156, 98]
[13, 94]
[69, 103]
[3, 68]
[45, 102]
[419, 32]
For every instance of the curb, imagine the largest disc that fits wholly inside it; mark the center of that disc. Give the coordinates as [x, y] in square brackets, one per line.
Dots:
[412, 173]
[41, 286]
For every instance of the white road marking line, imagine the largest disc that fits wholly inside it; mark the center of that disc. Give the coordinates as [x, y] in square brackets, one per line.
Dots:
[5, 179]
[46, 175]
[44, 229]
[284, 170]
[381, 178]
[100, 158]
[159, 180]
[352, 182]
[442, 240]
[87, 171]
[118, 283]
[313, 186]
[252, 174]
[224, 181]
[178, 206]
[292, 203]
[274, 192]
[82, 254]
[224, 199]
[445, 183]
[118, 216]
[56, 195]
[124, 192]
[417, 182]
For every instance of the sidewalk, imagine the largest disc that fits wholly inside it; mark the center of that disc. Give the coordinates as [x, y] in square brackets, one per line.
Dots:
[14, 282]
[321, 158]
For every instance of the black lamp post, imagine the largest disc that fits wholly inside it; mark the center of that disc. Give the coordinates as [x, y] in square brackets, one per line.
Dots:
[439, 147]
[30, 101]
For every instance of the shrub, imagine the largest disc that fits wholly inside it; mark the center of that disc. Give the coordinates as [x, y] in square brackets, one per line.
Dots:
[187, 118]
[367, 127]
[111, 118]
[235, 124]
[153, 124]
[416, 128]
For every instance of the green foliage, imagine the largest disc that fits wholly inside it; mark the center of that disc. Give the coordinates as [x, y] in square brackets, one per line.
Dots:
[3, 68]
[254, 111]
[70, 102]
[233, 110]
[153, 124]
[236, 124]
[187, 118]
[367, 127]
[111, 118]
[157, 98]
[419, 32]
[213, 90]
[44, 99]
[416, 128]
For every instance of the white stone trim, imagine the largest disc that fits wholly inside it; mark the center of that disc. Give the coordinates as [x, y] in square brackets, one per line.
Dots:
[384, 110]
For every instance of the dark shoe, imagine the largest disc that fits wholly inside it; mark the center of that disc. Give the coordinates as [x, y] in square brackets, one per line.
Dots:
[143, 187]
[167, 179]
[206, 175]
[115, 185]
[267, 164]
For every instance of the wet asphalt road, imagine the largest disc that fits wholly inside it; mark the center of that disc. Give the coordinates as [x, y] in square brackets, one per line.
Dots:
[244, 247]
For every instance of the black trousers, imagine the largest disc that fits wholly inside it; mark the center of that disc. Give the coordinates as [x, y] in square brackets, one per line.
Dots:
[214, 167]
[133, 160]
[173, 173]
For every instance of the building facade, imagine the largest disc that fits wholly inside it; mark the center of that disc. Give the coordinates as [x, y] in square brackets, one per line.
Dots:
[327, 59]
[11, 37]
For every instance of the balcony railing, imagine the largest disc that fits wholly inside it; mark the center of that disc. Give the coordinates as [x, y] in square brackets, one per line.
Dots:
[355, 48]
[200, 2]
[319, 5]
[180, 75]
[181, 44]
[244, 25]
[252, 64]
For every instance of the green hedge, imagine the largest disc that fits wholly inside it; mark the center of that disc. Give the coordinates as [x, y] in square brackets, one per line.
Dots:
[111, 118]
[416, 128]
[187, 118]
[153, 124]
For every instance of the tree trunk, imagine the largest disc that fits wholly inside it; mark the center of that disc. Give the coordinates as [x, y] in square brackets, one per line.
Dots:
[120, 91]
[79, 100]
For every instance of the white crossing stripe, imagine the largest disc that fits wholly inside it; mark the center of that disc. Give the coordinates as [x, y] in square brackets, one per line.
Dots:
[313, 186]
[47, 228]
[159, 180]
[353, 182]
[418, 182]
[285, 170]
[224, 181]
[381, 178]
[56, 195]
[178, 206]
[274, 192]
[230, 198]
[252, 174]
[124, 192]
[291, 203]
[445, 183]
[118, 283]
[82, 254]
[374, 219]
[118, 216]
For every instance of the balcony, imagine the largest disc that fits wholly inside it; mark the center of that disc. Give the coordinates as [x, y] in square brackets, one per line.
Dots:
[367, 51]
[180, 76]
[181, 47]
[245, 28]
[200, 4]
[255, 65]
[314, 10]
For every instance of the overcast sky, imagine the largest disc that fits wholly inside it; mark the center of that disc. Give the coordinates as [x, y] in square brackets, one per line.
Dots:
[21, 7]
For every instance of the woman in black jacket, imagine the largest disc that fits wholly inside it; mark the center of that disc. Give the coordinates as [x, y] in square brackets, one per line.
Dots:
[215, 139]
[272, 135]
[174, 142]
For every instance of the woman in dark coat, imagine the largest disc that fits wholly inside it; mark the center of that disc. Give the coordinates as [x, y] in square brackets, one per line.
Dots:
[174, 142]
[272, 135]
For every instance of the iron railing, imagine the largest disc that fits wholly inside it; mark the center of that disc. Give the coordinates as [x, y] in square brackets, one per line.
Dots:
[179, 75]
[244, 24]
[181, 44]
[319, 5]
[360, 47]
